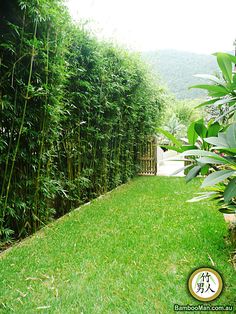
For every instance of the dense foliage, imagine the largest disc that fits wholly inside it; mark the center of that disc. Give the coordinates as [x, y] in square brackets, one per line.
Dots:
[178, 115]
[219, 151]
[211, 147]
[73, 114]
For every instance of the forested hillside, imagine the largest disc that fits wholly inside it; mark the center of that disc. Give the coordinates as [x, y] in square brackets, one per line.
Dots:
[176, 70]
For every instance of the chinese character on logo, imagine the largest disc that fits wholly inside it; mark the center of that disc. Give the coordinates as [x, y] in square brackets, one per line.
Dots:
[205, 284]
[204, 281]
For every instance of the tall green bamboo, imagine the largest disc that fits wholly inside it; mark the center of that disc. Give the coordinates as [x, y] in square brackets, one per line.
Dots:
[23, 117]
[73, 112]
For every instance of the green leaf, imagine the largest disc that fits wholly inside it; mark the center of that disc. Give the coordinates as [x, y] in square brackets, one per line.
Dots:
[231, 57]
[201, 153]
[213, 129]
[225, 64]
[230, 190]
[200, 128]
[224, 101]
[216, 177]
[209, 77]
[231, 136]
[212, 88]
[192, 134]
[180, 170]
[202, 196]
[226, 150]
[209, 102]
[209, 160]
[204, 170]
[192, 173]
[228, 210]
[216, 141]
[188, 147]
[170, 136]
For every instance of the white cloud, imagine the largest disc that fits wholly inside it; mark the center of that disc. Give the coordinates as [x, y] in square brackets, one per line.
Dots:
[199, 26]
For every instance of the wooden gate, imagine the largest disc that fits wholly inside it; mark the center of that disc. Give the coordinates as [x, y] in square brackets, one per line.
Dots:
[148, 158]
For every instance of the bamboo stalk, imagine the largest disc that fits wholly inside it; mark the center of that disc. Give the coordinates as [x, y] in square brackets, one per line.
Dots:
[22, 120]
[44, 118]
[15, 102]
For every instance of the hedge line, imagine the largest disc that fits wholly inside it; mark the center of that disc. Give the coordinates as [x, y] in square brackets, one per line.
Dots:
[74, 112]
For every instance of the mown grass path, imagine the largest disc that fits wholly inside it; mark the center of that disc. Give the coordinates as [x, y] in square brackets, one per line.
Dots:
[128, 252]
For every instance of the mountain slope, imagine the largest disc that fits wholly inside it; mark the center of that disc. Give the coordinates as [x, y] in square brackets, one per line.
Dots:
[176, 70]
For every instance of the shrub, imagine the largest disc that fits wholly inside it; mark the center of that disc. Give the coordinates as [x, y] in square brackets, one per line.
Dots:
[73, 115]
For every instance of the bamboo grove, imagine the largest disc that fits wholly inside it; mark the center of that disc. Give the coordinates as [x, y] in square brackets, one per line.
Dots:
[73, 113]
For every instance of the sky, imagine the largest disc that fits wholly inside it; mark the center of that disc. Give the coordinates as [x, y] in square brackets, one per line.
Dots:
[200, 26]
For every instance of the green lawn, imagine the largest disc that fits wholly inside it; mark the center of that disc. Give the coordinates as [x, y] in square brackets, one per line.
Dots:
[128, 252]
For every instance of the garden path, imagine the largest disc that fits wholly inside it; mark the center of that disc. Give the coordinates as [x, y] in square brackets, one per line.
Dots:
[168, 166]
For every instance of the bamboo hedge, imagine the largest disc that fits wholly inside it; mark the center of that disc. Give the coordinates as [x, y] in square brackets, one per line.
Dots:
[73, 113]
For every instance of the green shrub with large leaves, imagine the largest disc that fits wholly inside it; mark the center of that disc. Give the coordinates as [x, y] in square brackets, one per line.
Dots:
[221, 160]
[222, 90]
[210, 148]
[219, 152]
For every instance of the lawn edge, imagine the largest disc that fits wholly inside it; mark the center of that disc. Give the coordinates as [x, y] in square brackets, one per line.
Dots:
[39, 232]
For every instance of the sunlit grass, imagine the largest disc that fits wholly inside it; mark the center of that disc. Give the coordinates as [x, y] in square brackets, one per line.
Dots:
[129, 252]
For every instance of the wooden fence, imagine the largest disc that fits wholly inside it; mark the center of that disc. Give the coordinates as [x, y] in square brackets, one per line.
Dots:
[148, 158]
